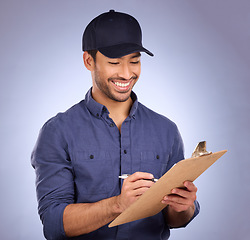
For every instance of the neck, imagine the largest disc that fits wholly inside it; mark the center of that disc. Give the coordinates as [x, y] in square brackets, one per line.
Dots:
[118, 111]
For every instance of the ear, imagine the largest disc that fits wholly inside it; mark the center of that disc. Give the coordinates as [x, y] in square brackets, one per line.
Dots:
[88, 61]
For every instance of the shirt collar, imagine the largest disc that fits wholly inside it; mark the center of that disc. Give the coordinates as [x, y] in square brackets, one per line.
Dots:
[134, 106]
[94, 107]
[98, 109]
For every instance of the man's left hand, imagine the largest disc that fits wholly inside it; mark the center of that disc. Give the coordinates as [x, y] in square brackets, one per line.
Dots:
[181, 199]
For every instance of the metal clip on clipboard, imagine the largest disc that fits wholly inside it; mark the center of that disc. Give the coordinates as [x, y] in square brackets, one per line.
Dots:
[200, 150]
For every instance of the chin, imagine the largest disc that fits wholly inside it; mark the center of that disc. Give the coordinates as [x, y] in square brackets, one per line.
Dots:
[122, 98]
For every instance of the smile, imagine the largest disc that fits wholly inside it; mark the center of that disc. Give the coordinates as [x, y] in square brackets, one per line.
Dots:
[121, 84]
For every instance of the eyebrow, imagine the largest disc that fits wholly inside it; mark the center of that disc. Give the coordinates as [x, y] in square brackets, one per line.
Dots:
[136, 55]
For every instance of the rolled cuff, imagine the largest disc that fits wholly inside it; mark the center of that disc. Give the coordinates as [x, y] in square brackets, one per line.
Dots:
[53, 222]
[196, 212]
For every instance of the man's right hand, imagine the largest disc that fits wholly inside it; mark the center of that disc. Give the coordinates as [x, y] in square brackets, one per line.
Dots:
[83, 218]
[133, 187]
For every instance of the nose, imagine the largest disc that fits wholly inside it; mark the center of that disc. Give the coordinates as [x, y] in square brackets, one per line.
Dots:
[126, 71]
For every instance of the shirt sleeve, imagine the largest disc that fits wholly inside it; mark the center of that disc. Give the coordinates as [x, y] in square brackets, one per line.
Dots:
[177, 150]
[177, 154]
[54, 180]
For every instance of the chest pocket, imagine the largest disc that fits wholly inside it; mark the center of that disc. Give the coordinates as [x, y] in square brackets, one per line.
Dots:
[93, 173]
[154, 162]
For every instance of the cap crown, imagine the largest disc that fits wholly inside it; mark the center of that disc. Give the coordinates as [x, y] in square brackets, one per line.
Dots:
[114, 34]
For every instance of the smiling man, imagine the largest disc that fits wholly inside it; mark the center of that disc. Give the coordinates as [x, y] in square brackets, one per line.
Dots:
[123, 72]
[81, 153]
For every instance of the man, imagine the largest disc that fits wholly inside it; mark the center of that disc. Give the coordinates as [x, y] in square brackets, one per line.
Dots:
[80, 154]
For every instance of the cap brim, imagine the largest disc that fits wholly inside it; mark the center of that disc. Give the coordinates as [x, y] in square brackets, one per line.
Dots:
[123, 49]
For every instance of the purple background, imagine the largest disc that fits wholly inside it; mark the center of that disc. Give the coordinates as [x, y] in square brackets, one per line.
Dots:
[199, 78]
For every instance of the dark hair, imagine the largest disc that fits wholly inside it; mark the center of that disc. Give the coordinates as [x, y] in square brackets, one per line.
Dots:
[92, 53]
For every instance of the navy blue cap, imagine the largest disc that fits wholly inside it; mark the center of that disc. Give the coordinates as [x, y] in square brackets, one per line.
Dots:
[114, 34]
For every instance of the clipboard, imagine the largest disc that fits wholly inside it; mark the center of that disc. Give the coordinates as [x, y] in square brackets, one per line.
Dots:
[150, 204]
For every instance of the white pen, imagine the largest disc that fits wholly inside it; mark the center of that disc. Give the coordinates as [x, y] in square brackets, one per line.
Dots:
[124, 176]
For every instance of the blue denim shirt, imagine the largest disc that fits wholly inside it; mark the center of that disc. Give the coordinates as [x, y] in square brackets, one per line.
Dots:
[79, 155]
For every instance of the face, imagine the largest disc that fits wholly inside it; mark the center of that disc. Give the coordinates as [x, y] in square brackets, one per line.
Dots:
[113, 79]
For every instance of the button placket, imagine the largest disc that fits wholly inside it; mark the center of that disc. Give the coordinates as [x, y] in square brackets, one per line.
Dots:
[108, 120]
[123, 230]
[125, 147]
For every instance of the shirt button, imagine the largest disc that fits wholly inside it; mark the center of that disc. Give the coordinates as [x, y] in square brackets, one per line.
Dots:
[158, 157]
[97, 114]
[125, 151]
[91, 156]
[112, 125]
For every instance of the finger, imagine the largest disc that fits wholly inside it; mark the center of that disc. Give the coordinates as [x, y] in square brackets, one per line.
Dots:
[177, 203]
[138, 192]
[172, 198]
[132, 186]
[184, 193]
[190, 186]
[141, 184]
[188, 192]
[128, 186]
[175, 200]
[135, 193]
[139, 175]
[175, 206]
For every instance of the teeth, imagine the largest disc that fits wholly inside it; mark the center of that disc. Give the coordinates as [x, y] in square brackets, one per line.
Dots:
[121, 84]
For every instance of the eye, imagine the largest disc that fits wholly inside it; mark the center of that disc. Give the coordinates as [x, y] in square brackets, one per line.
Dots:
[113, 63]
[136, 62]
